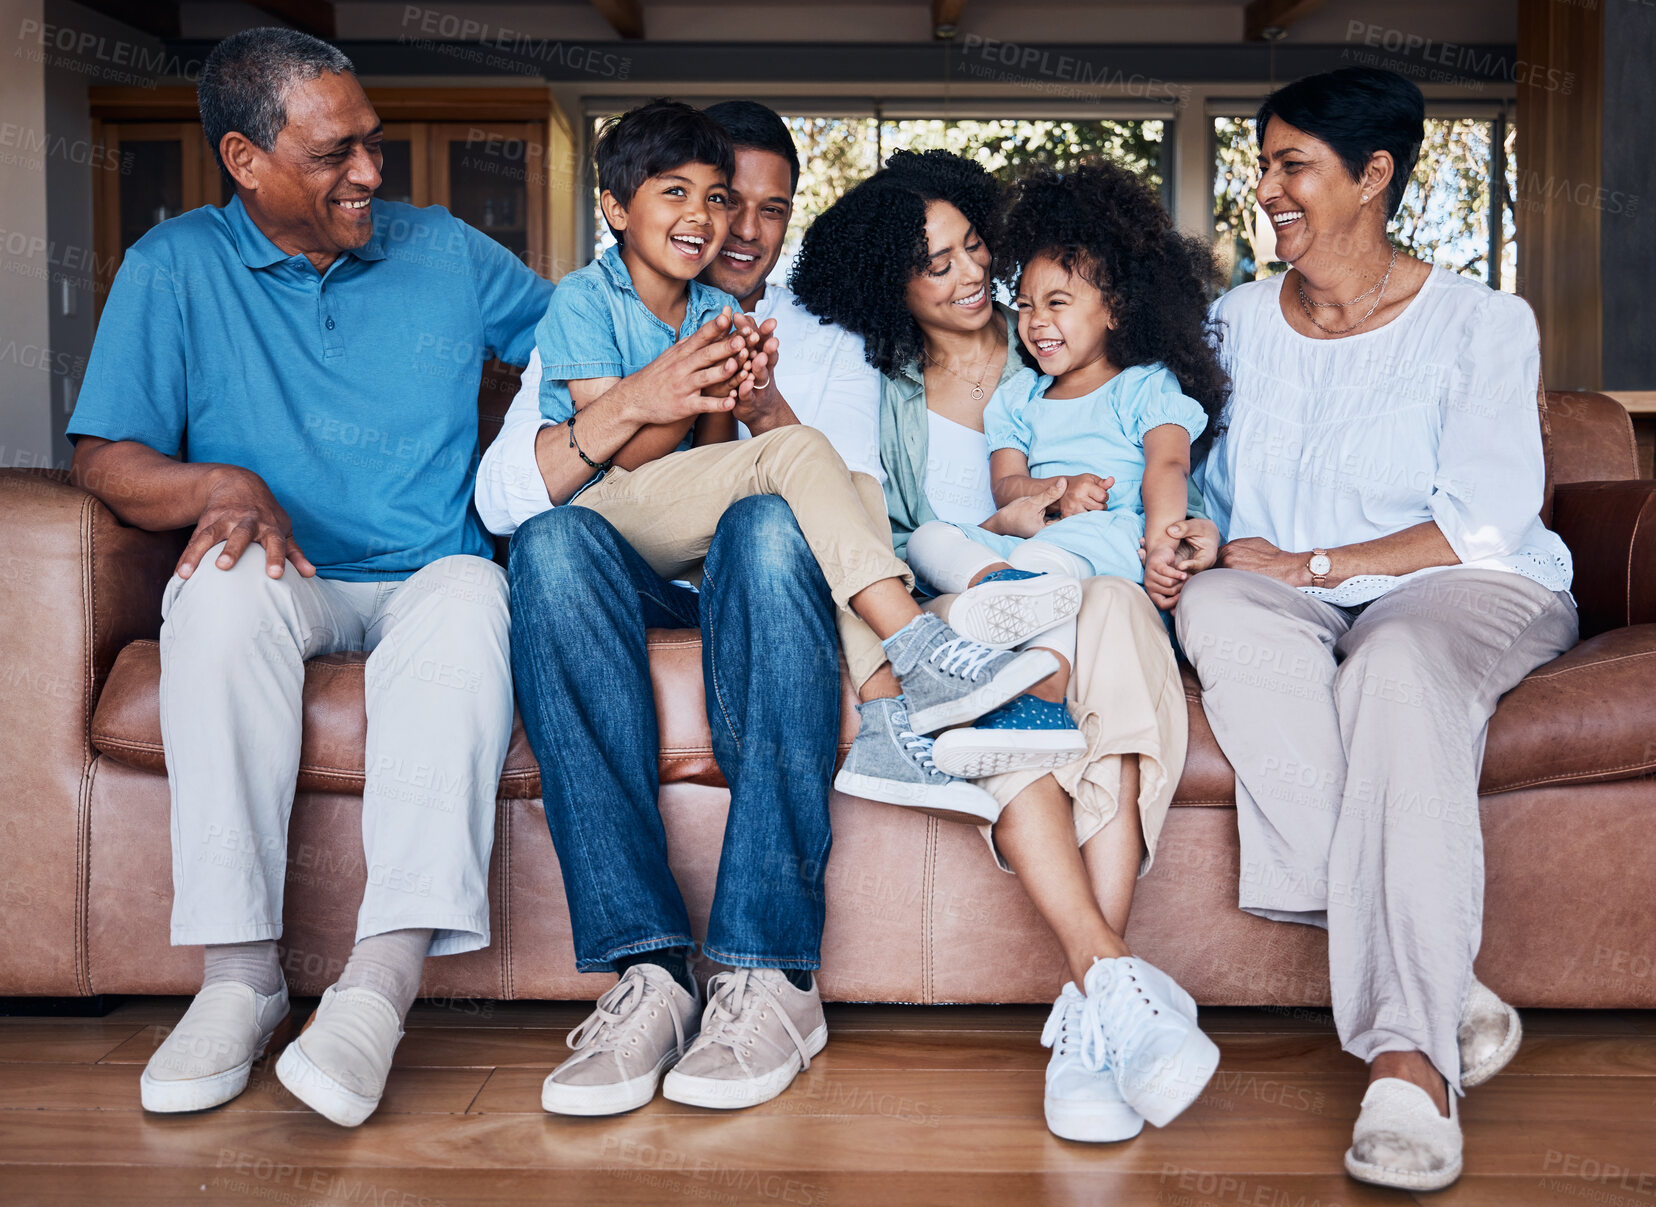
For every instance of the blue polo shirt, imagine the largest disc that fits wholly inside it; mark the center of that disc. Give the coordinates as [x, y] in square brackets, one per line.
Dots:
[352, 393]
[596, 325]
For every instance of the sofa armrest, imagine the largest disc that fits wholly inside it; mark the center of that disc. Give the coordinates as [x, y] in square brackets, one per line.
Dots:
[75, 586]
[1610, 528]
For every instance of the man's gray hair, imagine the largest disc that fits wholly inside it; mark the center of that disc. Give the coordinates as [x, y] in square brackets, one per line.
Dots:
[244, 83]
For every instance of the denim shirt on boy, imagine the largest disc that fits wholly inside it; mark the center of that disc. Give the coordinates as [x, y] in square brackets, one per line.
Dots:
[597, 326]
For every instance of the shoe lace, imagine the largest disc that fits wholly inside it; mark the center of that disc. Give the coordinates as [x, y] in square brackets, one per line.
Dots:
[962, 657]
[1121, 998]
[918, 748]
[619, 1015]
[737, 1004]
[1062, 1032]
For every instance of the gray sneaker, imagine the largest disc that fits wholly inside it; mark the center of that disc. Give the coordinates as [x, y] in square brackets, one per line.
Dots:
[638, 1030]
[949, 679]
[758, 1033]
[889, 762]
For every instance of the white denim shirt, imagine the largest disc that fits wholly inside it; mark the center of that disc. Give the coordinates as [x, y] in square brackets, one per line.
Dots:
[821, 371]
[1431, 417]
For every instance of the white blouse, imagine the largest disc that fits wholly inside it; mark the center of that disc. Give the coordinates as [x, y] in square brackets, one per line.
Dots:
[1431, 417]
[957, 471]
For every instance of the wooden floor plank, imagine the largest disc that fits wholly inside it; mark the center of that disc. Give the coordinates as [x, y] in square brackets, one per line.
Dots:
[55, 1042]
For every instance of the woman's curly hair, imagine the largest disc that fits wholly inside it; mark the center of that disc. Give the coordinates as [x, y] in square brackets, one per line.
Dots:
[1104, 224]
[857, 259]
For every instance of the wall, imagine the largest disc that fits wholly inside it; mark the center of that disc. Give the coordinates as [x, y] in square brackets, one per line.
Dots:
[1627, 229]
[25, 326]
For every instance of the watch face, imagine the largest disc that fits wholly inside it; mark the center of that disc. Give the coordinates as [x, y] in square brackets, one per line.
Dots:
[1320, 565]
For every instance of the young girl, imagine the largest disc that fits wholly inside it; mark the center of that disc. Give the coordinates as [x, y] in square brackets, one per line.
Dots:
[1112, 308]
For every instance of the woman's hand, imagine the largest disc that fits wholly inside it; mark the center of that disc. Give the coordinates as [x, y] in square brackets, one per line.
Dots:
[1258, 556]
[1085, 492]
[1026, 516]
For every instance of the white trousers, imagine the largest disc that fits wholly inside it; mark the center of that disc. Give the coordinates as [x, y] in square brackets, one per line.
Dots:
[1357, 740]
[439, 708]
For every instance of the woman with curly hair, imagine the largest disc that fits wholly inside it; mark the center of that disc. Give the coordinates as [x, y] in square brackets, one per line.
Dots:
[904, 261]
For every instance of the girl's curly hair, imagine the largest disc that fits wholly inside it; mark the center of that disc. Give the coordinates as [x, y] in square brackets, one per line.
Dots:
[1105, 225]
[856, 260]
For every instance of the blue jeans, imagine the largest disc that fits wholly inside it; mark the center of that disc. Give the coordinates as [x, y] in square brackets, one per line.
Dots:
[581, 600]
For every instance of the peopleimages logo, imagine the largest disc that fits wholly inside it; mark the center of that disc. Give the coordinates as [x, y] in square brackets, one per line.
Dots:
[434, 27]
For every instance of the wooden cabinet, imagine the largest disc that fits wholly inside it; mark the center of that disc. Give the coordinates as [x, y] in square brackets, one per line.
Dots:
[483, 153]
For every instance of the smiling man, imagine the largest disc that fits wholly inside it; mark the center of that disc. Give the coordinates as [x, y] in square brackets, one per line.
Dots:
[582, 601]
[303, 393]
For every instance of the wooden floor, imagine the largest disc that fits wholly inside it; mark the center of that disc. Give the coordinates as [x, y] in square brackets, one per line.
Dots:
[906, 1105]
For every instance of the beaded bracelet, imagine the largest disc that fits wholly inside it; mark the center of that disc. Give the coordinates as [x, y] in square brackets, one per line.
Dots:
[600, 467]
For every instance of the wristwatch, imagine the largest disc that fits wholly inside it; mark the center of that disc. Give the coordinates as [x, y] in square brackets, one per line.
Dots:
[1319, 566]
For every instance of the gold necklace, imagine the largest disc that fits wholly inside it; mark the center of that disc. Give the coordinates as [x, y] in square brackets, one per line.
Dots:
[977, 386]
[1306, 303]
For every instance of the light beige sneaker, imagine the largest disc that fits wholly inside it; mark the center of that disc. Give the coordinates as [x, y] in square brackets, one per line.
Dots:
[340, 1061]
[758, 1033]
[1489, 1035]
[638, 1030]
[206, 1059]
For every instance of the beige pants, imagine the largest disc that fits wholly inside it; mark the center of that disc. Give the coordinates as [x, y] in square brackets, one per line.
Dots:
[438, 694]
[1357, 738]
[1126, 695]
[667, 511]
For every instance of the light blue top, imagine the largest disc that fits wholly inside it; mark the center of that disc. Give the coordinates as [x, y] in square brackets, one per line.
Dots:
[352, 393]
[1099, 433]
[597, 326]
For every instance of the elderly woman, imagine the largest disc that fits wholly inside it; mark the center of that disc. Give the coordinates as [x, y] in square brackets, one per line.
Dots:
[904, 261]
[1386, 579]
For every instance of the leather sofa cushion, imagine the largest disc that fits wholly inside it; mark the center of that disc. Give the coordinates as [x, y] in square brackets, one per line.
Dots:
[127, 723]
[1584, 718]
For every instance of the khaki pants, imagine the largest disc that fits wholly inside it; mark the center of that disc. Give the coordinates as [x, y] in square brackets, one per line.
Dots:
[1357, 738]
[438, 694]
[667, 511]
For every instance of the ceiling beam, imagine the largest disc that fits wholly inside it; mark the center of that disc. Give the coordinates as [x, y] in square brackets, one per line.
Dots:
[1268, 20]
[626, 17]
[312, 16]
[946, 16]
[160, 20]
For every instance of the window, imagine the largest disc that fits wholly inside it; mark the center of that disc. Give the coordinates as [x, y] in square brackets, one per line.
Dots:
[1450, 214]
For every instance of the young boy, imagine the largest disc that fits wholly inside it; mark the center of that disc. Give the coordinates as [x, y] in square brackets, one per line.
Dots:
[663, 175]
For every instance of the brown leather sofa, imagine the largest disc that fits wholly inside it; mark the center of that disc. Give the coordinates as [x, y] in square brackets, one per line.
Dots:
[917, 911]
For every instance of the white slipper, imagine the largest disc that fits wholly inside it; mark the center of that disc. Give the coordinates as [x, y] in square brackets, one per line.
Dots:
[1401, 1141]
[1489, 1035]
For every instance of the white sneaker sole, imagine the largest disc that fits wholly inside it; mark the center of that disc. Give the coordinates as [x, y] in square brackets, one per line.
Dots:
[307, 1082]
[951, 802]
[204, 1093]
[615, 1099]
[1500, 1057]
[974, 753]
[1178, 1083]
[1401, 1179]
[730, 1094]
[1006, 614]
[1092, 1122]
[1019, 675]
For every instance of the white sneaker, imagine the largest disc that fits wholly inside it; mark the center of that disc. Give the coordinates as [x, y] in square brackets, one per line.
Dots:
[1489, 1036]
[1082, 1100]
[1147, 1025]
[637, 1031]
[340, 1061]
[1401, 1141]
[1010, 606]
[206, 1059]
[758, 1033]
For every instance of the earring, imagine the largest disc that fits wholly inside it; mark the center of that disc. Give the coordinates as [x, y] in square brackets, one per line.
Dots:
[1365, 198]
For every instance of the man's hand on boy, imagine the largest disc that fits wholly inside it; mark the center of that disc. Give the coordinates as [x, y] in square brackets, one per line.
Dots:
[759, 404]
[1085, 492]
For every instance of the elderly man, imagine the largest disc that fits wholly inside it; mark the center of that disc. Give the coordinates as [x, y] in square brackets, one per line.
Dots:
[295, 375]
[582, 599]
